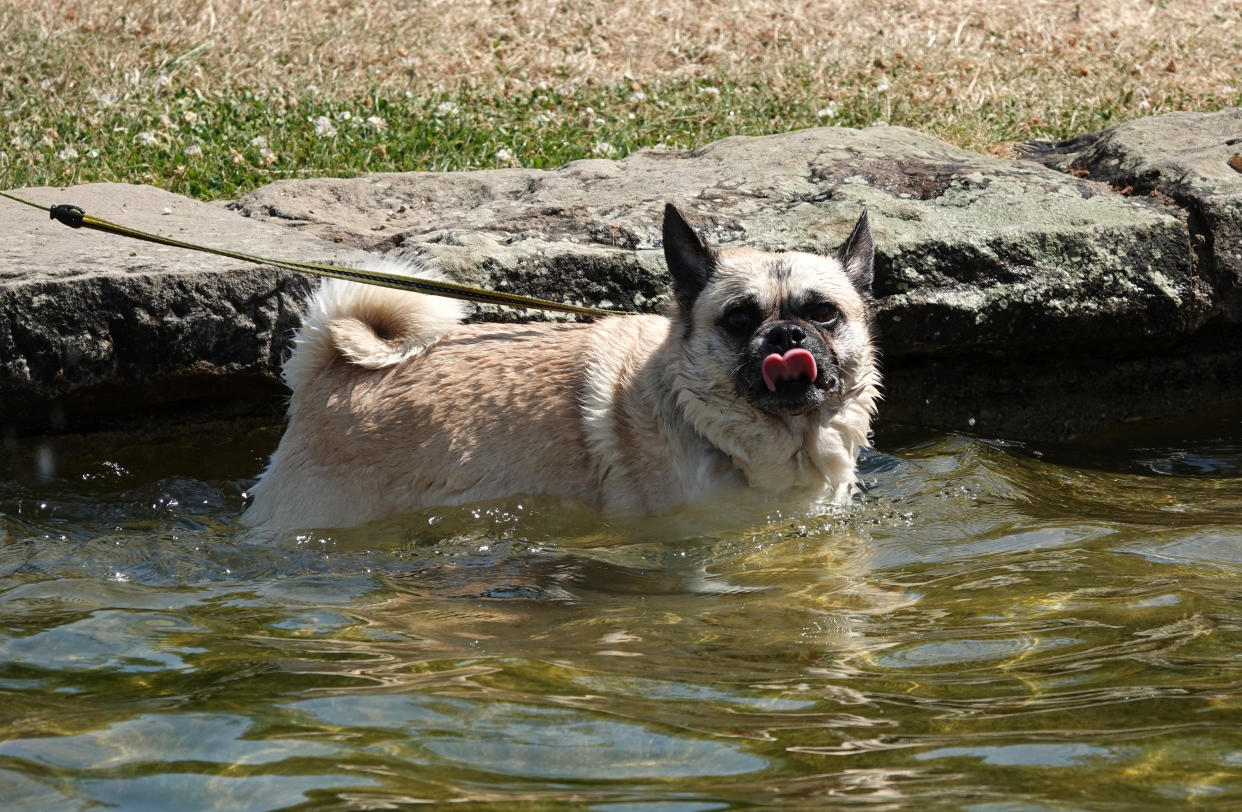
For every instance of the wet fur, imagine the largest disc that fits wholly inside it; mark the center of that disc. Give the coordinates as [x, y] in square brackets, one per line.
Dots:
[397, 406]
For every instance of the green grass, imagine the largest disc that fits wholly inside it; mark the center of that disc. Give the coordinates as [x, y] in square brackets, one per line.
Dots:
[222, 144]
[215, 105]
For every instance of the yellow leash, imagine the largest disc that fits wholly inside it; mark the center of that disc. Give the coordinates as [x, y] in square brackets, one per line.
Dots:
[75, 217]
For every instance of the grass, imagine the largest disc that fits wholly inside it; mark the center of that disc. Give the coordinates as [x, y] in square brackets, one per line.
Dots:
[223, 96]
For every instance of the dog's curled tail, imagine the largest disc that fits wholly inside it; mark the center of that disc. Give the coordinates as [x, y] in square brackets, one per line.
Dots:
[368, 325]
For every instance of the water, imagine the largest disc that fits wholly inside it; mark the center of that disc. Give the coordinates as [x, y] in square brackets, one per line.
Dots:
[994, 627]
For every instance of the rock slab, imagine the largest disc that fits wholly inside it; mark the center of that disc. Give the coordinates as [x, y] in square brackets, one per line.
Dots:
[975, 254]
[1013, 298]
[1193, 159]
[1028, 299]
[97, 329]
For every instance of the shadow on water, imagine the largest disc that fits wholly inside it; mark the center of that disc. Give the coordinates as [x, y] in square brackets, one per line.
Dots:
[992, 624]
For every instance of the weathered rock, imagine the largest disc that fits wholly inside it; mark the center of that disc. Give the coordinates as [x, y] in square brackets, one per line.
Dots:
[1012, 297]
[998, 281]
[976, 254]
[96, 328]
[1193, 158]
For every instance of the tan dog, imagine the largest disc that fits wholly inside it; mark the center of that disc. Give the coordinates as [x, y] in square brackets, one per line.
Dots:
[764, 377]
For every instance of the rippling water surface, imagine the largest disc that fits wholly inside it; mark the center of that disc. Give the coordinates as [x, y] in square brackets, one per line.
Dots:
[993, 627]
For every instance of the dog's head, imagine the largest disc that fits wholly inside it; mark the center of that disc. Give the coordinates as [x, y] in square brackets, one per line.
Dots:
[789, 331]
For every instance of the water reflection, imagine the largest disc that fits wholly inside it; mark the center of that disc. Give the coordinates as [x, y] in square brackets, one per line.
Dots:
[104, 639]
[990, 626]
[531, 741]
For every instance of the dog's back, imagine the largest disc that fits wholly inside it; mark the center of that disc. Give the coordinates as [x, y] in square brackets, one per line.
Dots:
[345, 325]
[370, 326]
[397, 406]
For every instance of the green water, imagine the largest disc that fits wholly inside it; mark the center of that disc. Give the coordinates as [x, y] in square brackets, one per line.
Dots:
[993, 627]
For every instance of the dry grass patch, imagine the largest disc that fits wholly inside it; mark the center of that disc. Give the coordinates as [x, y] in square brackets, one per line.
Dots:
[620, 74]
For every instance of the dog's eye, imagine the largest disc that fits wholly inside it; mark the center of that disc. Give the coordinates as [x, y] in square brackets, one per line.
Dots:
[739, 320]
[826, 313]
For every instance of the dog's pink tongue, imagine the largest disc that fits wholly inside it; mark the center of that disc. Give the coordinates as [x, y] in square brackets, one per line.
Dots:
[795, 364]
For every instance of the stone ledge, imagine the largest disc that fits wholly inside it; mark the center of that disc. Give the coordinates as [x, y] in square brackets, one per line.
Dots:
[1191, 159]
[1090, 284]
[94, 327]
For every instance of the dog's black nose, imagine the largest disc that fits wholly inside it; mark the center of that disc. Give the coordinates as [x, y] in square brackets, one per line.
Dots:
[783, 337]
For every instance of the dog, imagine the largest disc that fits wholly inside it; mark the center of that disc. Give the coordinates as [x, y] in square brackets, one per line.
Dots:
[763, 377]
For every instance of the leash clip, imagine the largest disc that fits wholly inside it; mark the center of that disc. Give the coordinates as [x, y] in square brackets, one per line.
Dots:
[68, 214]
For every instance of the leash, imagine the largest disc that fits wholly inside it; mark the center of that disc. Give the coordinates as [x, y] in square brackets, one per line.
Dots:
[76, 217]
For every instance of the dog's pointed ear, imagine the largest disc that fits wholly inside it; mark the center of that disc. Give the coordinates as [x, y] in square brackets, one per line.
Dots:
[690, 261]
[857, 255]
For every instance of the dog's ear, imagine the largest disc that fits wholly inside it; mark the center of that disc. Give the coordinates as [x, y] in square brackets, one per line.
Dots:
[690, 261]
[857, 255]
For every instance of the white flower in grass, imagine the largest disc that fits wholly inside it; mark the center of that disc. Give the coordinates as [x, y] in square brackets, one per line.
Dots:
[829, 110]
[344, 115]
[146, 138]
[504, 155]
[258, 142]
[603, 149]
[164, 80]
[882, 87]
[67, 154]
[267, 156]
[323, 126]
[192, 151]
[714, 92]
[446, 108]
[376, 123]
[189, 117]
